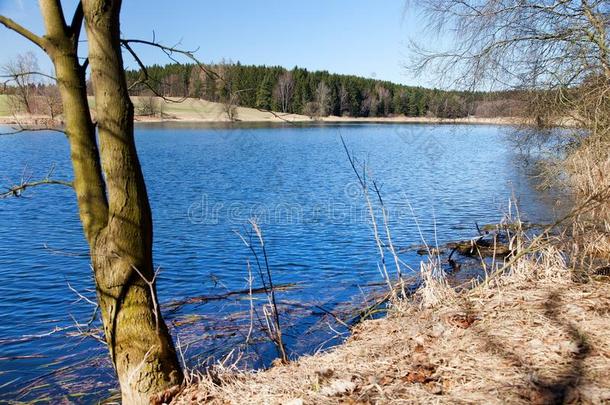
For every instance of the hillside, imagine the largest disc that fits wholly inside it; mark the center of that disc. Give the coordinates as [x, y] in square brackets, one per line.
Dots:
[202, 111]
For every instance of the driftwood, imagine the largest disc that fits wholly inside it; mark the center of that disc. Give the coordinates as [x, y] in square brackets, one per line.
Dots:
[202, 299]
[493, 241]
[483, 247]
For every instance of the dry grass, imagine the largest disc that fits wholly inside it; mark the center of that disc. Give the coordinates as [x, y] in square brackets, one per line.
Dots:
[589, 169]
[532, 335]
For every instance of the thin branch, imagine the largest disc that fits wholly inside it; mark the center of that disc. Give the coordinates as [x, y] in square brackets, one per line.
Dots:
[365, 190]
[17, 191]
[386, 224]
[20, 127]
[272, 324]
[15, 76]
[171, 50]
[277, 115]
[77, 23]
[144, 76]
[25, 183]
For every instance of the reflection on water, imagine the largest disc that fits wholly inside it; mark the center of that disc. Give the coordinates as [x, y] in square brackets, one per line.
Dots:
[204, 185]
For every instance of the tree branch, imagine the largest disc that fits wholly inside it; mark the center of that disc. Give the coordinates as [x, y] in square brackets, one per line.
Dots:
[171, 50]
[15, 76]
[19, 29]
[77, 23]
[20, 128]
[17, 191]
[55, 21]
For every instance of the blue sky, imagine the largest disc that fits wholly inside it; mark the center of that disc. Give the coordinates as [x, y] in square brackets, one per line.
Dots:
[363, 37]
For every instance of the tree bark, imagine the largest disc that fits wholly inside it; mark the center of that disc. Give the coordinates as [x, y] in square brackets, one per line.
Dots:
[140, 344]
[112, 199]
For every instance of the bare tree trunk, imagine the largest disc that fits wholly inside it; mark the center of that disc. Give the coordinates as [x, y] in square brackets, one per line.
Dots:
[139, 342]
[112, 198]
[88, 180]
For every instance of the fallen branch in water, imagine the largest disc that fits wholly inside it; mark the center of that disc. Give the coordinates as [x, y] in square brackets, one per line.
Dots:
[202, 299]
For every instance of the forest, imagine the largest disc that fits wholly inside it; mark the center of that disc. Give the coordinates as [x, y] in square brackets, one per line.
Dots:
[312, 93]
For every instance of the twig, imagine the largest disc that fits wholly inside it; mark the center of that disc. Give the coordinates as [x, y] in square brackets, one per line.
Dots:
[14, 76]
[25, 183]
[38, 125]
[272, 323]
[151, 286]
[251, 303]
[364, 187]
[387, 230]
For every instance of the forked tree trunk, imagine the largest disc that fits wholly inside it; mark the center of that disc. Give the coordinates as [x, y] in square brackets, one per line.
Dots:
[139, 342]
[112, 199]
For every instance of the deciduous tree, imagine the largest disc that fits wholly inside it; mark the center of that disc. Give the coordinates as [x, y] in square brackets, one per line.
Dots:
[22, 72]
[111, 193]
[284, 90]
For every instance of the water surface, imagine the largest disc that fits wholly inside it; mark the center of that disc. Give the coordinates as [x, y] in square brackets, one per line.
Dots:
[204, 184]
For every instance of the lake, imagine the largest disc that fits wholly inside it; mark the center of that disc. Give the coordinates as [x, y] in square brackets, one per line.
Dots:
[204, 185]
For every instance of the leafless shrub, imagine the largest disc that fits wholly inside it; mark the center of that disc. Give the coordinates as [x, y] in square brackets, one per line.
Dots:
[22, 73]
[50, 101]
[149, 106]
[230, 102]
[270, 321]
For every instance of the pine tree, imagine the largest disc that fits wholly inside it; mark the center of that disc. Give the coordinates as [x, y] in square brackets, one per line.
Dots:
[264, 93]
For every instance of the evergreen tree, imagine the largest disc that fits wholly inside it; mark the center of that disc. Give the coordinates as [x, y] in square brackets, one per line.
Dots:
[264, 93]
[258, 88]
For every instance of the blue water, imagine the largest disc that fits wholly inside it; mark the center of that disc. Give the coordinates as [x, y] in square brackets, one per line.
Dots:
[204, 184]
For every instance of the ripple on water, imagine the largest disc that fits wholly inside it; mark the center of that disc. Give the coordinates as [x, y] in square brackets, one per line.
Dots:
[204, 184]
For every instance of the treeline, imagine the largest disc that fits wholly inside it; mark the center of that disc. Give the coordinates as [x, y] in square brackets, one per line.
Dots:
[300, 91]
[275, 88]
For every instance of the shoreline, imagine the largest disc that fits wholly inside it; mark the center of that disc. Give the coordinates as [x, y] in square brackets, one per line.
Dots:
[345, 120]
[42, 121]
[201, 112]
[533, 335]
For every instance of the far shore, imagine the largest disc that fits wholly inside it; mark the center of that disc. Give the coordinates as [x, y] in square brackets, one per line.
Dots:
[38, 121]
[291, 119]
[193, 111]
